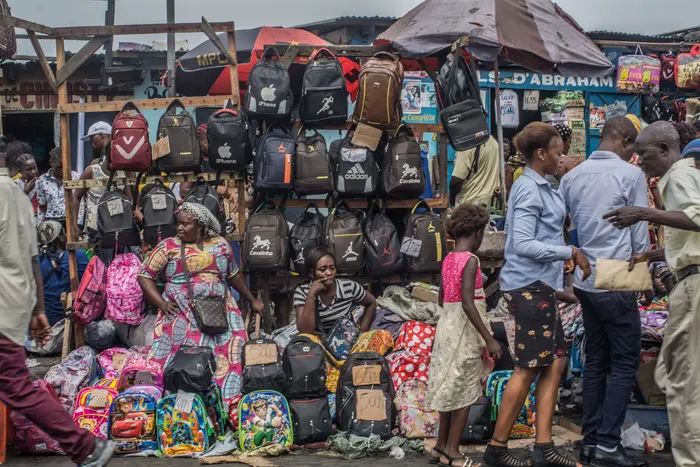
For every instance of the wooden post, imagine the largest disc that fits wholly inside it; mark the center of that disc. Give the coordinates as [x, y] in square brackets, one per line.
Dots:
[499, 131]
[171, 49]
[236, 95]
[444, 186]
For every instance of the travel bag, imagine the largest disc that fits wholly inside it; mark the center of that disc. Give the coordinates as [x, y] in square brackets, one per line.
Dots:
[378, 100]
[428, 241]
[305, 235]
[344, 238]
[312, 170]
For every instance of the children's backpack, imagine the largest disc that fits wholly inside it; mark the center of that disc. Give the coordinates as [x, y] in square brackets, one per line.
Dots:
[228, 134]
[131, 148]
[273, 166]
[305, 235]
[269, 95]
[312, 170]
[365, 396]
[344, 238]
[109, 383]
[416, 420]
[115, 219]
[91, 299]
[92, 410]
[184, 432]
[29, 438]
[525, 424]
[112, 361]
[191, 370]
[132, 419]
[139, 371]
[416, 337]
[262, 365]
[324, 97]
[158, 207]
[428, 241]
[124, 295]
[266, 244]
[79, 370]
[312, 420]
[407, 366]
[181, 131]
[382, 245]
[340, 340]
[355, 170]
[402, 170]
[205, 194]
[264, 418]
[216, 411]
[380, 83]
[305, 368]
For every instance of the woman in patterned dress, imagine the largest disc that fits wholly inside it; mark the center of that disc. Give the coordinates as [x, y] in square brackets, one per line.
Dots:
[463, 332]
[212, 268]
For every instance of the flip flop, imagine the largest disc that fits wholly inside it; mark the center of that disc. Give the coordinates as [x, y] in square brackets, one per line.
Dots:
[467, 462]
[436, 460]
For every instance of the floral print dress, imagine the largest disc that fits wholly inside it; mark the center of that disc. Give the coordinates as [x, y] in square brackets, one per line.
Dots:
[210, 268]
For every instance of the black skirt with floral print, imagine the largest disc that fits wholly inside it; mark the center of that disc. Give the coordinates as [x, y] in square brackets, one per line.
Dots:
[539, 336]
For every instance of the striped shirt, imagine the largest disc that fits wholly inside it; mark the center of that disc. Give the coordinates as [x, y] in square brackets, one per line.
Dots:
[348, 293]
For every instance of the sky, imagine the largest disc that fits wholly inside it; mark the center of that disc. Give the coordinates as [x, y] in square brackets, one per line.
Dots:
[641, 16]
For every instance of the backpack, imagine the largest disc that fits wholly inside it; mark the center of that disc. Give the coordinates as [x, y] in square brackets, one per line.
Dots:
[479, 427]
[124, 295]
[191, 370]
[416, 337]
[131, 148]
[355, 171]
[264, 418]
[273, 162]
[402, 169]
[345, 239]
[262, 365]
[139, 371]
[416, 420]
[216, 411]
[80, 369]
[312, 169]
[181, 131]
[265, 244]
[651, 108]
[91, 299]
[427, 229]
[112, 361]
[92, 410]
[305, 368]
[115, 219]
[312, 420]
[184, 433]
[305, 235]
[205, 194]
[324, 97]
[380, 83]
[29, 438]
[132, 419]
[159, 221]
[269, 95]
[365, 396]
[668, 67]
[228, 134]
[382, 245]
[525, 424]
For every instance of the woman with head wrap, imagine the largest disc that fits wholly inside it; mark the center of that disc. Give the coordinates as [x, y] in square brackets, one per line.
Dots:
[565, 132]
[212, 269]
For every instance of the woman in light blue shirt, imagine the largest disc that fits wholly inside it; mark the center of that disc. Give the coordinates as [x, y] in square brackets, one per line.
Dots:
[534, 271]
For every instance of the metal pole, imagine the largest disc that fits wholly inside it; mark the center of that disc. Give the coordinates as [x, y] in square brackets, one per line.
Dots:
[499, 132]
[171, 49]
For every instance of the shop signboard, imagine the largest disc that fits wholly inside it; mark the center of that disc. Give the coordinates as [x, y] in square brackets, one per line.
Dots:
[547, 82]
[418, 98]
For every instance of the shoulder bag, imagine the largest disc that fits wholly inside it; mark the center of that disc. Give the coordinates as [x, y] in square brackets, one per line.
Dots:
[209, 312]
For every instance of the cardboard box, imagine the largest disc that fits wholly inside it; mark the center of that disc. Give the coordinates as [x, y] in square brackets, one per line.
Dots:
[647, 386]
[425, 294]
[574, 113]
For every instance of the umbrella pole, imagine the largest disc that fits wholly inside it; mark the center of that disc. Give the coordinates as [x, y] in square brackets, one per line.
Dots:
[499, 133]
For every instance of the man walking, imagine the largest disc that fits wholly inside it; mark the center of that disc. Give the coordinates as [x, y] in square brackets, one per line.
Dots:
[613, 331]
[22, 308]
[678, 367]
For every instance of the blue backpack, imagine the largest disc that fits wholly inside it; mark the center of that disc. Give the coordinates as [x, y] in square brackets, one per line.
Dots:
[525, 424]
[184, 433]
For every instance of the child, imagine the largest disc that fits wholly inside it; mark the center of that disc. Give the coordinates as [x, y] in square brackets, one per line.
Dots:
[462, 333]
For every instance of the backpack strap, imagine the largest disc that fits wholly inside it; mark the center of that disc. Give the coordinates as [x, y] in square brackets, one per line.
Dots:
[271, 52]
[475, 163]
[130, 105]
[173, 104]
[413, 211]
[321, 51]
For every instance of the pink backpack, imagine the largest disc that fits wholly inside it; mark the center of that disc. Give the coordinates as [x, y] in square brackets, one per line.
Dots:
[138, 370]
[90, 300]
[29, 438]
[124, 295]
[92, 409]
[112, 361]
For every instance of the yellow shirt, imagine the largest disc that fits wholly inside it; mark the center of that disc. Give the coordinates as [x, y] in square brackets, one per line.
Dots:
[680, 191]
[518, 172]
[479, 188]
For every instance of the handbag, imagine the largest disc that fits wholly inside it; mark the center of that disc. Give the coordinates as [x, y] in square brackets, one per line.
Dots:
[209, 312]
[479, 427]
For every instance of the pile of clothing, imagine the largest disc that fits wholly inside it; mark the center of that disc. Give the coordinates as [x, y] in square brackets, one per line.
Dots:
[654, 319]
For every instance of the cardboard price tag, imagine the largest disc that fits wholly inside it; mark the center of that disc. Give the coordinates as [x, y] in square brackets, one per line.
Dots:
[99, 399]
[370, 405]
[161, 148]
[366, 375]
[159, 202]
[260, 354]
[411, 246]
[118, 361]
[183, 402]
[115, 207]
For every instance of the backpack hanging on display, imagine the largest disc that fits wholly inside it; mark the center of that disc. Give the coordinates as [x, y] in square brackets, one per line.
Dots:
[205, 194]
[265, 243]
[380, 83]
[305, 368]
[115, 219]
[345, 239]
[312, 420]
[324, 97]
[191, 370]
[461, 110]
[181, 131]
[269, 95]
[184, 433]
[228, 134]
[312, 169]
[92, 410]
[124, 295]
[651, 108]
[668, 67]
[158, 207]
[264, 419]
[355, 169]
[382, 245]
[273, 165]
[132, 419]
[428, 241]
[91, 299]
[305, 235]
[262, 365]
[402, 170]
[131, 148]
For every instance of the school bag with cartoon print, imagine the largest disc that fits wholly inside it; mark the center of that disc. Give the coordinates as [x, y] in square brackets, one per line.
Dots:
[264, 418]
[341, 338]
[112, 361]
[132, 419]
[29, 438]
[92, 408]
[305, 368]
[525, 424]
[262, 365]
[345, 239]
[382, 245]
[138, 370]
[131, 148]
[181, 131]
[269, 95]
[427, 235]
[305, 235]
[312, 420]
[125, 302]
[402, 169]
[91, 299]
[158, 207]
[324, 97]
[266, 244]
[80, 369]
[312, 169]
[184, 432]
[216, 411]
[416, 420]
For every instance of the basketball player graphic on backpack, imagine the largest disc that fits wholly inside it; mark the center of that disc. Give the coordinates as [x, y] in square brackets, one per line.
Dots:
[350, 252]
[267, 419]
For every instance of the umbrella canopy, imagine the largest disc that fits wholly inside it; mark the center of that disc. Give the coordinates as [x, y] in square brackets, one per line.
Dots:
[533, 33]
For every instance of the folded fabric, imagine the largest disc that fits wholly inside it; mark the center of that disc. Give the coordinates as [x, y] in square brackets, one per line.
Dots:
[613, 274]
[406, 366]
[398, 300]
[416, 337]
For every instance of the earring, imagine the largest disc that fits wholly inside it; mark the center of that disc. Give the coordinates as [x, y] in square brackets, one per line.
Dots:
[541, 158]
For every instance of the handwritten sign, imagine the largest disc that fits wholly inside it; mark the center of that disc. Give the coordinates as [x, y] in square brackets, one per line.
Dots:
[118, 361]
[370, 405]
[183, 402]
[531, 100]
[144, 377]
[260, 354]
[161, 148]
[115, 207]
[411, 246]
[366, 375]
[99, 399]
[159, 202]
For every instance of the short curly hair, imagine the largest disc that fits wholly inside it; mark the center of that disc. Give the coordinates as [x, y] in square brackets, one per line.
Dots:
[687, 133]
[466, 220]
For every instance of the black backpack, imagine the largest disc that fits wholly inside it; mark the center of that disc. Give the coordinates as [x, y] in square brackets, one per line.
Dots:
[428, 234]
[305, 368]
[115, 218]
[352, 398]
[344, 238]
[205, 194]
[312, 169]
[382, 245]
[158, 207]
[262, 366]
[355, 170]
[228, 134]
[651, 109]
[181, 130]
[274, 162]
[266, 244]
[191, 370]
[269, 95]
[305, 235]
[324, 96]
[402, 168]
[311, 419]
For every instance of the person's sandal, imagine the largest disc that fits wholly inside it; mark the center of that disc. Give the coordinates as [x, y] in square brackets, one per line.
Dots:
[436, 460]
[450, 462]
[501, 456]
[544, 455]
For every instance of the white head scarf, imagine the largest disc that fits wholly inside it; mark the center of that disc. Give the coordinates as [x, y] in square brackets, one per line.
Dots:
[204, 217]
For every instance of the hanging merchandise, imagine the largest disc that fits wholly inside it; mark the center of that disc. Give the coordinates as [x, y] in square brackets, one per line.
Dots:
[378, 101]
[344, 239]
[382, 245]
[181, 132]
[424, 243]
[205, 194]
[312, 170]
[115, 218]
[510, 110]
[638, 73]
[265, 245]
[688, 68]
[668, 67]
[274, 161]
[228, 134]
[651, 109]
[305, 235]
[402, 170]
[324, 97]
[158, 207]
[131, 148]
[355, 168]
[269, 95]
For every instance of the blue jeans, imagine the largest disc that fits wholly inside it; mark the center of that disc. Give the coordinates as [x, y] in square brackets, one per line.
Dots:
[613, 346]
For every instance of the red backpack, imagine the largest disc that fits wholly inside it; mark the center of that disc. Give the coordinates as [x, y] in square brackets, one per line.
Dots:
[131, 148]
[91, 298]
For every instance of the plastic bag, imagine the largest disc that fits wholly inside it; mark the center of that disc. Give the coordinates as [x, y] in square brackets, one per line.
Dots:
[688, 68]
[638, 73]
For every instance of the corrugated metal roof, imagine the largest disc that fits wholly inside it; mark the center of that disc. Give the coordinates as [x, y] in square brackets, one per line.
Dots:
[629, 37]
[342, 21]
